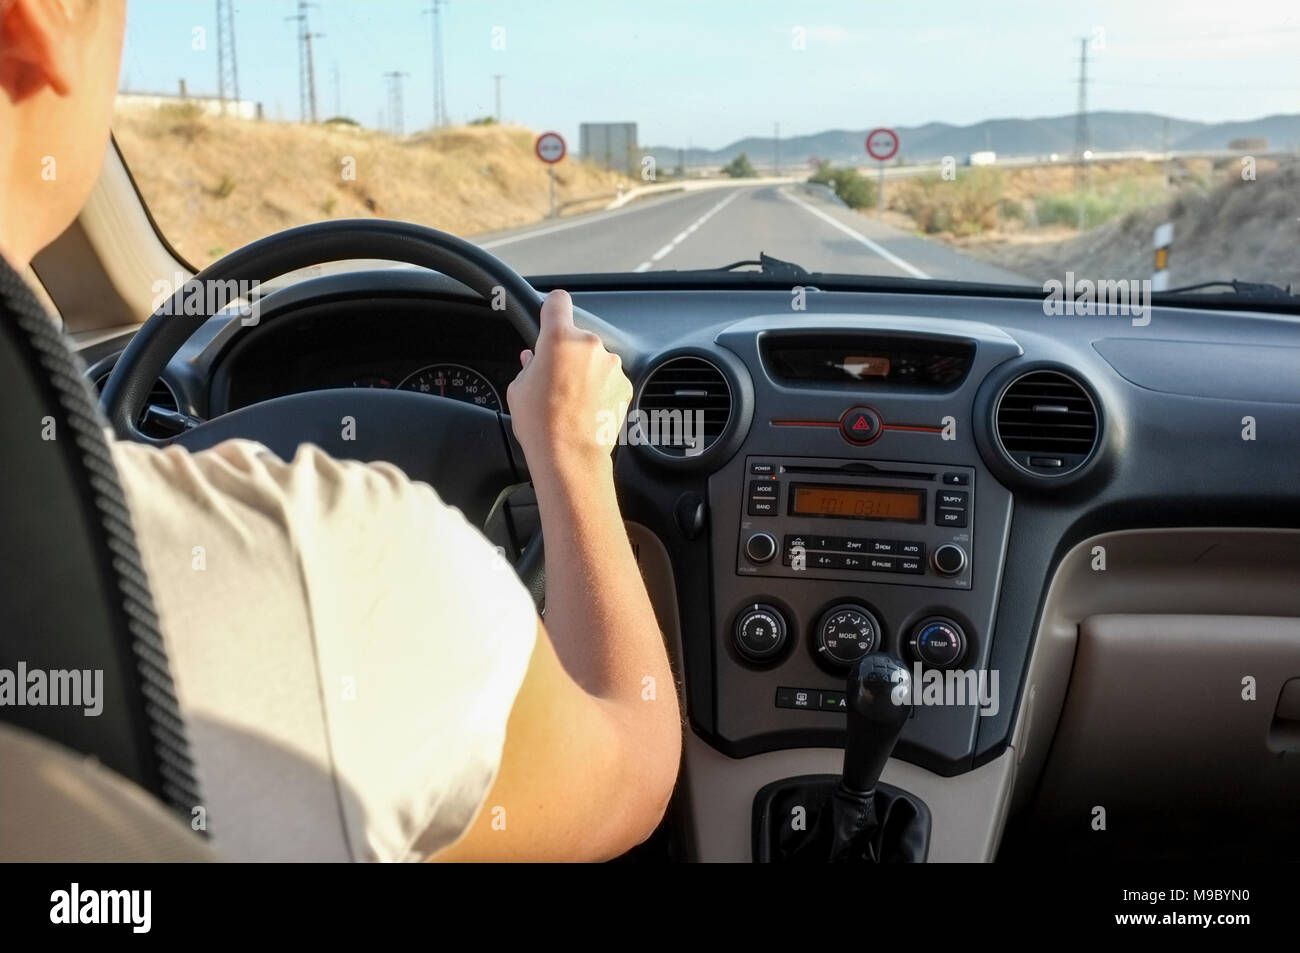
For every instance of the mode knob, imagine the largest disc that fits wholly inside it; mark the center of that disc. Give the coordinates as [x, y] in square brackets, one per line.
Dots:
[760, 632]
[845, 634]
[938, 642]
[948, 559]
[760, 548]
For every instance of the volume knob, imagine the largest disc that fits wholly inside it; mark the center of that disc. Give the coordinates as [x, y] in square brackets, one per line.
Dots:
[760, 547]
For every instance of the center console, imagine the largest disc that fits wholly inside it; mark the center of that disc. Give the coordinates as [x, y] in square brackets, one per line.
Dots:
[855, 519]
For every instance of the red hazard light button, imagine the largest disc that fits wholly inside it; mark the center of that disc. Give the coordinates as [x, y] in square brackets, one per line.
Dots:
[860, 425]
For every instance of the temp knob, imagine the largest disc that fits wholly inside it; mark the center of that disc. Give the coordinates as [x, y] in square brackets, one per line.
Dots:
[760, 633]
[938, 642]
[760, 548]
[948, 559]
[845, 634]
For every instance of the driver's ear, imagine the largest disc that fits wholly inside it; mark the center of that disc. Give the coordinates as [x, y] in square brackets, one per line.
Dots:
[37, 47]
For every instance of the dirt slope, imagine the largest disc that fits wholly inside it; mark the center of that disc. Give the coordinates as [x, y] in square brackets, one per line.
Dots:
[214, 184]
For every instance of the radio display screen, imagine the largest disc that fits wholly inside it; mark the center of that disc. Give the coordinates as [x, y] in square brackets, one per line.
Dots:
[857, 502]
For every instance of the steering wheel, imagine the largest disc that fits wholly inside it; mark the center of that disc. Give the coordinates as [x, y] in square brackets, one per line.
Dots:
[466, 452]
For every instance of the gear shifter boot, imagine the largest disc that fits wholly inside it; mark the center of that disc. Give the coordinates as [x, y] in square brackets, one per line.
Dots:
[814, 820]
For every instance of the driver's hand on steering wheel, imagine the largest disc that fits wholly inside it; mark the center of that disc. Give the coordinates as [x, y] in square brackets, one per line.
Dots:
[570, 399]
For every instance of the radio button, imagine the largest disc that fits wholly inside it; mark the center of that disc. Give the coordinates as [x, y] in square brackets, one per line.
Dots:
[884, 547]
[911, 564]
[882, 564]
[762, 469]
[763, 487]
[824, 561]
[911, 549]
[956, 479]
[851, 544]
[856, 563]
[762, 506]
[950, 516]
[952, 497]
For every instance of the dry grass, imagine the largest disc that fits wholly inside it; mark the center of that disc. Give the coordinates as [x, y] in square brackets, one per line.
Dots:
[1223, 228]
[214, 184]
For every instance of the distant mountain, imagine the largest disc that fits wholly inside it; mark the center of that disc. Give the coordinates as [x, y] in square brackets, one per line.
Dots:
[1109, 132]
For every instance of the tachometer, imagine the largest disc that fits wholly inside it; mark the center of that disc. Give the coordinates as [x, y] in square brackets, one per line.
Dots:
[455, 381]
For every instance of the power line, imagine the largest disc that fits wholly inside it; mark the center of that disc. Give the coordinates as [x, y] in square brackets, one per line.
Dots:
[395, 110]
[439, 80]
[306, 68]
[1081, 137]
[227, 64]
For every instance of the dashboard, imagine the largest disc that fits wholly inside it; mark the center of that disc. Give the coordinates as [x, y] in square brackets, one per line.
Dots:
[388, 344]
[882, 471]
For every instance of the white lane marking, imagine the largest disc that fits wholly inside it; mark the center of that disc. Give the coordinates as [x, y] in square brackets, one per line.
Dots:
[880, 250]
[686, 233]
[578, 223]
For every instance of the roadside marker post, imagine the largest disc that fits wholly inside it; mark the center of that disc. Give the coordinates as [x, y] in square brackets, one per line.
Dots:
[882, 145]
[1163, 239]
[550, 148]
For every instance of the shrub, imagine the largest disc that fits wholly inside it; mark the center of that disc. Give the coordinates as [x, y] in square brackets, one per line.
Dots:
[740, 168]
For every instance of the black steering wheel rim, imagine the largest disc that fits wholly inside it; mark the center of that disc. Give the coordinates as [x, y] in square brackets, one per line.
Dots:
[168, 328]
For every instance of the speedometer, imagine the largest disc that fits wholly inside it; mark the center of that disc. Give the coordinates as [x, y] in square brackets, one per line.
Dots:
[455, 381]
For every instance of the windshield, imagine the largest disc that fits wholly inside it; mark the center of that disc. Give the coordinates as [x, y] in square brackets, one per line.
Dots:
[1015, 142]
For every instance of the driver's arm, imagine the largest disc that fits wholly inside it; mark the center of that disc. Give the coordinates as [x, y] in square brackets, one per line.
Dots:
[594, 738]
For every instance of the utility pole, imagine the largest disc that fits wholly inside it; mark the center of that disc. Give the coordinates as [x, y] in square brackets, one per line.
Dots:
[776, 149]
[338, 91]
[306, 69]
[497, 77]
[1081, 137]
[395, 111]
[439, 80]
[227, 64]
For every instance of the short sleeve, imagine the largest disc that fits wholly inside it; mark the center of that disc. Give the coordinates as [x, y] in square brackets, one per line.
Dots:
[345, 616]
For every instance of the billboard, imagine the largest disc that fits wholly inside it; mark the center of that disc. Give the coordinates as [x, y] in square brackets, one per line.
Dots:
[611, 145]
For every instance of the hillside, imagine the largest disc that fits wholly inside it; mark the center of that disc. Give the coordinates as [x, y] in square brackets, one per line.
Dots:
[1234, 229]
[214, 184]
[1110, 132]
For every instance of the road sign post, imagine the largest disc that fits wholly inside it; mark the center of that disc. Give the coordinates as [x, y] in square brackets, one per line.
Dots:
[882, 145]
[550, 148]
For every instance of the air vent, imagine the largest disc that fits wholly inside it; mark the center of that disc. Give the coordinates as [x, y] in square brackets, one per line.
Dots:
[161, 398]
[1047, 423]
[684, 407]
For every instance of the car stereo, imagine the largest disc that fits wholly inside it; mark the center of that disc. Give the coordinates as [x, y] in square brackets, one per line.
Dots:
[857, 521]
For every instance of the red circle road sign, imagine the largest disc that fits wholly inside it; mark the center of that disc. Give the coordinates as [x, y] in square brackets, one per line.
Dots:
[550, 147]
[882, 144]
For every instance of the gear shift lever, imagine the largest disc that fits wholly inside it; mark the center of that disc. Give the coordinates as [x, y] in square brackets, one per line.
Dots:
[854, 818]
[879, 689]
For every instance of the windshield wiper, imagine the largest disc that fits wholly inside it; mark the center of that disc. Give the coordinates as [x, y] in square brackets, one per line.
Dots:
[768, 267]
[1247, 289]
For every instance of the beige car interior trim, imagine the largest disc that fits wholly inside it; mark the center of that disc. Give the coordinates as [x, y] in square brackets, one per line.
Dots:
[101, 271]
[1240, 573]
[716, 794]
[60, 806]
[1177, 715]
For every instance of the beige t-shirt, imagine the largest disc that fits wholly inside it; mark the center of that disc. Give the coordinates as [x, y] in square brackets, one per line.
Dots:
[346, 648]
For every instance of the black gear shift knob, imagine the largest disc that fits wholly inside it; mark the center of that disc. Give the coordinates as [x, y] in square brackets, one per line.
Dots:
[879, 693]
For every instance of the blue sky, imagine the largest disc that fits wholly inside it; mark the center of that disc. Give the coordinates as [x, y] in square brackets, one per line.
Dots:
[707, 72]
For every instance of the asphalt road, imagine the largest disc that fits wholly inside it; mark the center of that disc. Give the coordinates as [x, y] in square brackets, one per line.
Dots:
[715, 227]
